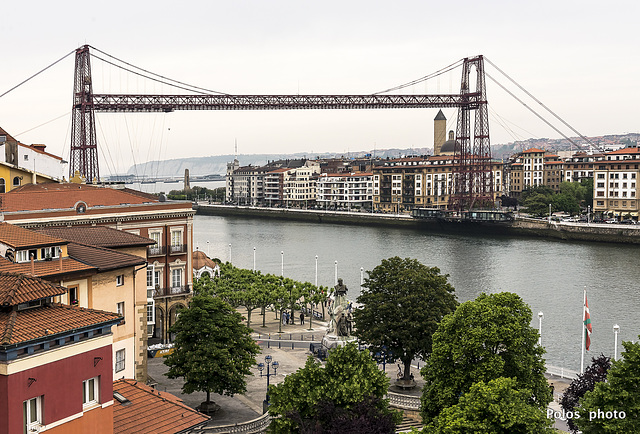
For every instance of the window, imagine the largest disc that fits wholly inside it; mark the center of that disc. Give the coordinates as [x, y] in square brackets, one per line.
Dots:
[50, 253]
[16, 181]
[120, 280]
[176, 278]
[120, 308]
[73, 295]
[120, 360]
[22, 256]
[32, 414]
[2, 185]
[157, 237]
[90, 391]
[176, 238]
[151, 310]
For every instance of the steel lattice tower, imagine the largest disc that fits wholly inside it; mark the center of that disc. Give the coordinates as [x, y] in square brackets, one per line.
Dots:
[472, 175]
[84, 152]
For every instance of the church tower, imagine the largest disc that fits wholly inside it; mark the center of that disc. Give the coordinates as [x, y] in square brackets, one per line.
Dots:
[439, 132]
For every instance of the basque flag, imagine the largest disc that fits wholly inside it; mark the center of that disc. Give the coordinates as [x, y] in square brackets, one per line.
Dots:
[587, 324]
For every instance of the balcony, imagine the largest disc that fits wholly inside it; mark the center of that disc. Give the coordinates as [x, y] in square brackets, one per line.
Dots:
[168, 292]
[156, 250]
[177, 248]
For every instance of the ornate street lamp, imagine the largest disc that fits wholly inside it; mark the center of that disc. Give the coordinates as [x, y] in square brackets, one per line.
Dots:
[268, 364]
[616, 329]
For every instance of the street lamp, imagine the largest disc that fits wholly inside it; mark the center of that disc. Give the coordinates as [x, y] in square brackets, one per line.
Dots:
[616, 329]
[336, 277]
[549, 213]
[282, 263]
[361, 277]
[208, 254]
[254, 259]
[540, 316]
[229, 252]
[316, 270]
[268, 364]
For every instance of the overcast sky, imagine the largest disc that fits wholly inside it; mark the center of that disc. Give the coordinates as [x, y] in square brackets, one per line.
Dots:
[580, 58]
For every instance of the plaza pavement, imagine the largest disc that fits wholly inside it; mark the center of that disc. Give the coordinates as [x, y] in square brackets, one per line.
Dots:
[248, 406]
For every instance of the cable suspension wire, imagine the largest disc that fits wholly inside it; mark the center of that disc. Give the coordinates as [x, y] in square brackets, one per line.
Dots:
[530, 109]
[543, 106]
[38, 73]
[153, 73]
[425, 78]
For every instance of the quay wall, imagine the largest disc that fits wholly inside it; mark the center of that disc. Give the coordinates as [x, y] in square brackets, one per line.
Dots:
[522, 226]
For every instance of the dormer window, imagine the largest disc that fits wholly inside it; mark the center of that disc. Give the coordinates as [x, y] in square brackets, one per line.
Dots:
[48, 253]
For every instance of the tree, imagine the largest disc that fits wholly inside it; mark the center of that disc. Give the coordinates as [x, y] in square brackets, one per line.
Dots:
[585, 382]
[213, 350]
[482, 340]
[402, 303]
[350, 377]
[494, 407]
[613, 406]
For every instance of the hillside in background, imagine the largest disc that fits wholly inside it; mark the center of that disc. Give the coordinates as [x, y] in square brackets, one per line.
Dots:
[217, 164]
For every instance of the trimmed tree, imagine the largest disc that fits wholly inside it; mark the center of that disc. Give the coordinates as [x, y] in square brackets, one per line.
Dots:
[402, 303]
[213, 349]
[494, 407]
[482, 340]
[585, 382]
[349, 378]
[613, 406]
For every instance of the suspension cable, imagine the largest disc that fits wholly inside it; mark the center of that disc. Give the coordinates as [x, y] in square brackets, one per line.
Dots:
[153, 73]
[38, 73]
[543, 106]
[425, 78]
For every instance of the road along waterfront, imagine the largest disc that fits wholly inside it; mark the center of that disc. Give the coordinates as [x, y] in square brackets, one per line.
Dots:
[548, 274]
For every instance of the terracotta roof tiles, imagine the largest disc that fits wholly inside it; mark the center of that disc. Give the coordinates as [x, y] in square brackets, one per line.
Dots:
[103, 259]
[100, 236]
[19, 288]
[46, 268]
[20, 238]
[149, 410]
[19, 326]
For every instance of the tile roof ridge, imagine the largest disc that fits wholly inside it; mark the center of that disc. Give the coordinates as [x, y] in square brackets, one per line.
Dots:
[107, 249]
[8, 332]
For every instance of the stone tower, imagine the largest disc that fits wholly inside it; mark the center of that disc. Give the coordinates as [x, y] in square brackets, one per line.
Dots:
[439, 132]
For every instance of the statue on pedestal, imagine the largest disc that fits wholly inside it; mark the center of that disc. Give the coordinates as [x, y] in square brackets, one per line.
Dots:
[341, 323]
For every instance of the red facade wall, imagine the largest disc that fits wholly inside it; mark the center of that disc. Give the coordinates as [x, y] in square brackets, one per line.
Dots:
[61, 385]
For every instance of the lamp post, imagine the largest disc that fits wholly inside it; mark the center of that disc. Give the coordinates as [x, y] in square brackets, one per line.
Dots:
[540, 316]
[549, 213]
[316, 270]
[208, 254]
[229, 252]
[254, 259]
[361, 277]
[616, 329]
[282, 262]
[336, 277]
[268, 364]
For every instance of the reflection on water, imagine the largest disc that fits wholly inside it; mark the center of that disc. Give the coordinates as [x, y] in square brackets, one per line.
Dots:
[548, 274]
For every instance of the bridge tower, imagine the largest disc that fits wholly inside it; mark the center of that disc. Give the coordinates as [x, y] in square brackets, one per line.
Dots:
[472, 171]
[84, 152]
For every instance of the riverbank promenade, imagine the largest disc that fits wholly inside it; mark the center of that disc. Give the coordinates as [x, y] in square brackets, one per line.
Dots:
[291, 350]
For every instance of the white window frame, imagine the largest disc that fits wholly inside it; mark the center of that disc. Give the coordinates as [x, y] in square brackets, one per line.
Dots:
[121, 356]
[174, 273]
[92, 385]
[120, 308]
[156, 235]
[22, 256]
[32, 422]
[151, 312]
[120, 280]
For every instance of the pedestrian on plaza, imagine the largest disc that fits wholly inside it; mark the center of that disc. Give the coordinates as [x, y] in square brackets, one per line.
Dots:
[301, 317]
[286, 317]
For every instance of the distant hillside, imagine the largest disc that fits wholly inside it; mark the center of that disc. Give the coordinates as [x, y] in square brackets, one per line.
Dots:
[217, 164]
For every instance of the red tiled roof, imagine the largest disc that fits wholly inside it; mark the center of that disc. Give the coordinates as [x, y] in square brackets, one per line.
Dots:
[101, 236]
[20, 238]
[46, 268]
[19, 326]
[19, 288]
[32, 197]
[532, 150]
[625, 151]
[103, 259]
[151, 411]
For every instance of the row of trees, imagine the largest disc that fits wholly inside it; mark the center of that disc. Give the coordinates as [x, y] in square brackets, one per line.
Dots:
[573, 197]
[198, 193]
[484, 368]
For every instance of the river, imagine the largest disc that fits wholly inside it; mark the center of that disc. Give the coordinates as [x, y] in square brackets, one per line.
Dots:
[549, 275]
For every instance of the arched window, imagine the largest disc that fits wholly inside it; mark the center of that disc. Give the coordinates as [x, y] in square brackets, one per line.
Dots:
[2, 189]
[16, 181]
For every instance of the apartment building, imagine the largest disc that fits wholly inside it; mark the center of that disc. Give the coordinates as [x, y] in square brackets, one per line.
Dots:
[345, 190]
[615, 183]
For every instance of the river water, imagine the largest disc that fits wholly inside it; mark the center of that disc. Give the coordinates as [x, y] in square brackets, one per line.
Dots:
[549, 275]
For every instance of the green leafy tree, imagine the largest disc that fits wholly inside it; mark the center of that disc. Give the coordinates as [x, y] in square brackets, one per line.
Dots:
[613, 406]
[496, 407]
[402, 303]
[213, 350]
[349, 377]
[585, 382]
[538, 204]
[482, 340]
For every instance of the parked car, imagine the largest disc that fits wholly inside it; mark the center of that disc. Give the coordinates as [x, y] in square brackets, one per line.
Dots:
[628, 222]
[610, 220]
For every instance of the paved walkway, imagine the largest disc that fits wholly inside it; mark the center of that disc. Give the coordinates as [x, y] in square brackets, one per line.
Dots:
[248, 406]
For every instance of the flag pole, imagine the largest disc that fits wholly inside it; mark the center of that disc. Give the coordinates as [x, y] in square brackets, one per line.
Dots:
[584, 331]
